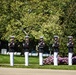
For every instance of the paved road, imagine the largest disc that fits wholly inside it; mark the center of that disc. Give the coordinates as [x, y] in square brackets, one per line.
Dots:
[24, 71]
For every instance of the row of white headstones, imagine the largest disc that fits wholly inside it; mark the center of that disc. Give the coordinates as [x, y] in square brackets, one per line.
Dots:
[40, 58]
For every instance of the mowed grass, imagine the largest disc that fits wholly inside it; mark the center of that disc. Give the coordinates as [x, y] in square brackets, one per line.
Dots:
[33, 63]
[5, 59]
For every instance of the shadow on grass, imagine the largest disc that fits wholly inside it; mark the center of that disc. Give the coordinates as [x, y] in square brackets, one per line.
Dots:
[36, 66]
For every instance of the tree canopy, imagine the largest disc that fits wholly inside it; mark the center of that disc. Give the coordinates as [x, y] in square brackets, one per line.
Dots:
[37, 18]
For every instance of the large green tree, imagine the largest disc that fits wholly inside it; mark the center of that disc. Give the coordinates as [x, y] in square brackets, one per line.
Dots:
[30, 16]
[38, 18]
[69, 20]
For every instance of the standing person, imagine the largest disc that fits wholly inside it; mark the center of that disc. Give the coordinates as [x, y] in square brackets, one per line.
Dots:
[26, 49]
[11, 50]
[56, 49]
[70, 46]
[41, 46]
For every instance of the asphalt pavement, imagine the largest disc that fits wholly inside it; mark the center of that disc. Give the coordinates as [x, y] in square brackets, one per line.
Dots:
[25, 71]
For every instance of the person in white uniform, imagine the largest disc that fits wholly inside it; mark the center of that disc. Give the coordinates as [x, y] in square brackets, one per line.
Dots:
[11, 50]
[41, 46]
[56, 50]
[70, 46]
[26, 50]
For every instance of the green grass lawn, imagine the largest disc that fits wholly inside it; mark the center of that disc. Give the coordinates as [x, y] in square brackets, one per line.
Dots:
[33, 63]
[5, 59]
